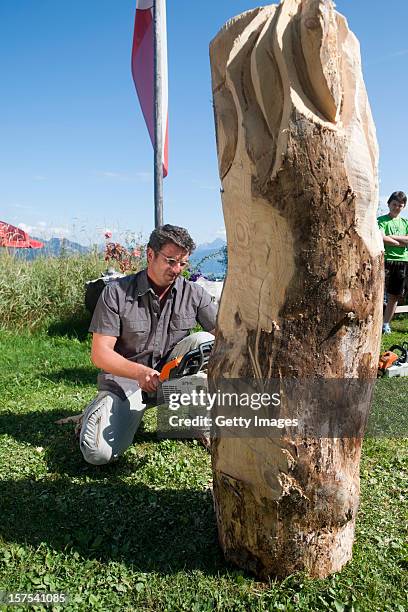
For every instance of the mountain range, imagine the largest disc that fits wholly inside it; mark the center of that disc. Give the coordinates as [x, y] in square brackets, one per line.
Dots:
[209, 258]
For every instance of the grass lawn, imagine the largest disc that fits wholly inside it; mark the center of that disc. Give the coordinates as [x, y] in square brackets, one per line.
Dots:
[141, 534]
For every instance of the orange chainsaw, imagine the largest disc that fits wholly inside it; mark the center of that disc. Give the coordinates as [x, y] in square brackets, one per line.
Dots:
[391, 358]
[182, 374]
[189, 364]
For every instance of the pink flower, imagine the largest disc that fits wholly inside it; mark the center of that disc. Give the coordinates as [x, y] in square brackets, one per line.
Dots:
[136, 253]
[108, 234]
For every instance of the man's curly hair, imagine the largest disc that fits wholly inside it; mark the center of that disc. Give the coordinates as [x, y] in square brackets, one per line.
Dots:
[171, 233]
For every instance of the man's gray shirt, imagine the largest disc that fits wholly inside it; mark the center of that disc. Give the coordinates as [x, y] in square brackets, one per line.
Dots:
[129, 310]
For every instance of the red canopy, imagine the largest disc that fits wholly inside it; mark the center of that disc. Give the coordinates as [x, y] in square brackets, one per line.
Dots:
[11, 236]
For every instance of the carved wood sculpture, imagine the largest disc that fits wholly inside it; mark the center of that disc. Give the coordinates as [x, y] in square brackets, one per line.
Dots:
[298, 159]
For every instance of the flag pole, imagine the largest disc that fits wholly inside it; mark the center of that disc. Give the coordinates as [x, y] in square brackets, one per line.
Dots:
[158, 119]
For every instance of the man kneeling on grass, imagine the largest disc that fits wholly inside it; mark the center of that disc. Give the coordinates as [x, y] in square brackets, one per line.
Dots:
[140, 322]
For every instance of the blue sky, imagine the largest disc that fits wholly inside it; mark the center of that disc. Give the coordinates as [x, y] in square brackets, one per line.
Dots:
[75, 157]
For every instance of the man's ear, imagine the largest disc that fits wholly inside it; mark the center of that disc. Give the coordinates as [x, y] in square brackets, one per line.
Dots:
[150, 254]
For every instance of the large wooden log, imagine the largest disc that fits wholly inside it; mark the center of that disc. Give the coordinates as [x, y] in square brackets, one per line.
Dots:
[298, 160]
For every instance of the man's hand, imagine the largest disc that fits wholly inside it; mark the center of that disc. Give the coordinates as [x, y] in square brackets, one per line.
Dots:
[104, 356]
[402, 240]
[390, 240]
[148, 379]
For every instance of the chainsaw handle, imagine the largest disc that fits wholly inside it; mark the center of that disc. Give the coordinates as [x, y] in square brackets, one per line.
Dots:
[403, 350]
[168, 367]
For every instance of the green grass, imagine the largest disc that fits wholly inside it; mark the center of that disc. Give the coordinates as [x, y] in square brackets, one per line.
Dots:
[141, 534]
[389, 414]
[399, 333]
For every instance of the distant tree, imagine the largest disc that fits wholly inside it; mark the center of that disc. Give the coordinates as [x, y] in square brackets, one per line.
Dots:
[223, 259]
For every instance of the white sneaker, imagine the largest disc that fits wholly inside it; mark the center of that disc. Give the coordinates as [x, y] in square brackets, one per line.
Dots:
[386, 329]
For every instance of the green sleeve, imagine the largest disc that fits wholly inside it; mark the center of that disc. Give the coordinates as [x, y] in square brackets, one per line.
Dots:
[381, 223]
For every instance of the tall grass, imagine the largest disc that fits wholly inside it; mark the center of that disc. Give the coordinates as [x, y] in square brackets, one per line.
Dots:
[46, 291]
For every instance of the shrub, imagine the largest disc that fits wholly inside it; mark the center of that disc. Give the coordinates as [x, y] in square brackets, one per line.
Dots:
[129, 258]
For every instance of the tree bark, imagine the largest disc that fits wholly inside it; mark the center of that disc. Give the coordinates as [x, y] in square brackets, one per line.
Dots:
[302, 299]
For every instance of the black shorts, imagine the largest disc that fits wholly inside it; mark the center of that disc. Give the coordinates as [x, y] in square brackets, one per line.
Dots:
[396, 277]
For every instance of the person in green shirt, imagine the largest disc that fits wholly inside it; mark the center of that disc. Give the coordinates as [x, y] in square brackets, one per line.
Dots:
[394, 230]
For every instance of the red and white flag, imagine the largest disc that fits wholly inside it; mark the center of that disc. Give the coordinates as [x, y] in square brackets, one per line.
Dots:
[143, 68]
